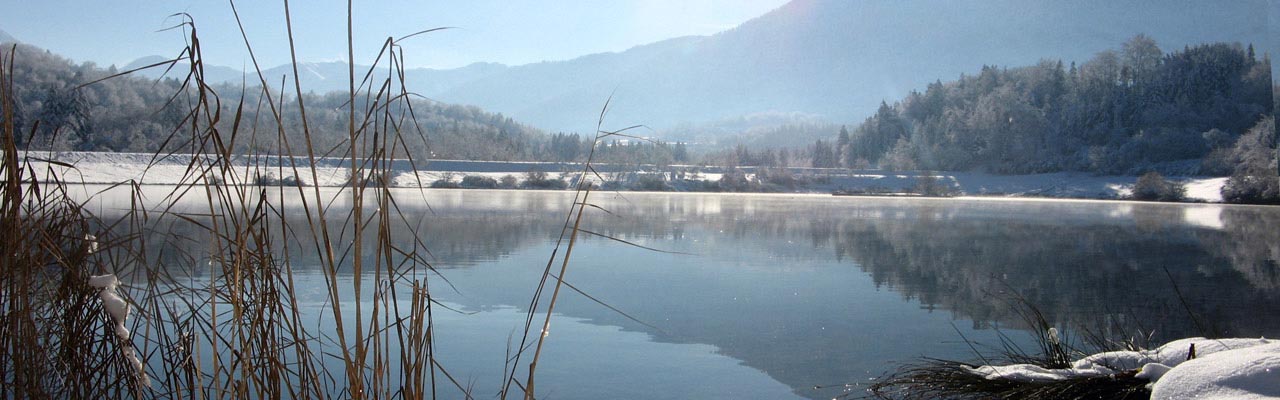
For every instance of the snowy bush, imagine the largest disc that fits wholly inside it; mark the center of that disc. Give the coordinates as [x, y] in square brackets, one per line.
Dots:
[479, 182]
[539, 180]
[507, 182]
[1255, 178]
[1153, 187]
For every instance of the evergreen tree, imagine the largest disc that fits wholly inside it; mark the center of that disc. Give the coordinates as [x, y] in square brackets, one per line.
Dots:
[842, 147]
[823, 155]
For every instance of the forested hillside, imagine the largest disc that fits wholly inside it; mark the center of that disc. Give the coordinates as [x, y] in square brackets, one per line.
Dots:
[837, 58]
[831, 59]
[1122, 112]
[136, 114]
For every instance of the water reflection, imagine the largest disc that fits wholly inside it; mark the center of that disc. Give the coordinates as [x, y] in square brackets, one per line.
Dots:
[1080, 269]
[817, 290]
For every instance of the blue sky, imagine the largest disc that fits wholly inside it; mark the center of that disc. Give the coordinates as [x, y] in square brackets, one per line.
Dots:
[505, 31]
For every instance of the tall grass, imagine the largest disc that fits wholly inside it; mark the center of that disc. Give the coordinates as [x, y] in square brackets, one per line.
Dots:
[238, 331]
[227, 321]
[54, 336]
[933, 378]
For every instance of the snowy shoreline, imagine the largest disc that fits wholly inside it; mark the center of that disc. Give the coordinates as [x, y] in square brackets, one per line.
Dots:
[111, 168]
[1199, 368]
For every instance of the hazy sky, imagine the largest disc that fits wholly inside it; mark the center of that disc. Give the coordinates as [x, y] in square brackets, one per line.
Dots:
[505, 31]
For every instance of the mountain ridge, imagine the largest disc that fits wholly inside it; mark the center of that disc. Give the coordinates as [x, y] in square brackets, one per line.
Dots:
[833, 58]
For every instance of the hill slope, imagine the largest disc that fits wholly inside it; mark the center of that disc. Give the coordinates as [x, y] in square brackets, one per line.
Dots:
[134, 114]
[837, 59]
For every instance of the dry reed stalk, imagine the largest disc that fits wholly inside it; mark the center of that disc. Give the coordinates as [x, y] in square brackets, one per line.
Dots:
[240, 331]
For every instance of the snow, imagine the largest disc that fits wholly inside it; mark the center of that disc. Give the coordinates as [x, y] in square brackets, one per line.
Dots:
[1241, 373]
[118, 309]
[1033, 373]
[110, 168]
[1152, 371]
[1208, 190]
[1237, 368]
[1113, 361]
[91, 243]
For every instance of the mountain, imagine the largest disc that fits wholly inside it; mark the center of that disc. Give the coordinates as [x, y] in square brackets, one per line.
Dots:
[840, 58]
[755, 131]
[135, 114]
[144, 61]
[331, 76]
[837, 59]
[322, 77]
[5, 37]
[213, 73]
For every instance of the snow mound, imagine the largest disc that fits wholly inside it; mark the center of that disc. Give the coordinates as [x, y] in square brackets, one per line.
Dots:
[1238, 368]
[1241, 373]
[1034, 373]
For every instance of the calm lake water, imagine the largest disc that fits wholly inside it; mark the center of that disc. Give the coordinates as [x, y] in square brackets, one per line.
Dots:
[777, 294]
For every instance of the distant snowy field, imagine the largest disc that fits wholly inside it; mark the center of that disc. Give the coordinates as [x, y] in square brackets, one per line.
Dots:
[98, 167]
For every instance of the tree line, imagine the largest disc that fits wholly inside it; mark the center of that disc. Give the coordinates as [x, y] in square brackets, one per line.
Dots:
[135, 114]
[1122, 112]
[1203, 110]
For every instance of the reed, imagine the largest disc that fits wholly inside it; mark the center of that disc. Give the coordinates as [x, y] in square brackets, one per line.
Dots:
[943, 379]
[54, 337]
[201, 298]
[932, 378]
[238, 330]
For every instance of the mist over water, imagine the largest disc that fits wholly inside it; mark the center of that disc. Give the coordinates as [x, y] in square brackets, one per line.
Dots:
[779, 293]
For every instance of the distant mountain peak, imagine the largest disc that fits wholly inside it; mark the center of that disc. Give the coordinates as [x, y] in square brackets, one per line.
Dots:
[483, 64]
[5, 37]
[145, 61]
[836, 60]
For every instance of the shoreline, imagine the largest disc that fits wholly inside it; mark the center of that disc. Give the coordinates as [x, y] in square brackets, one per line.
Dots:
[115, 168]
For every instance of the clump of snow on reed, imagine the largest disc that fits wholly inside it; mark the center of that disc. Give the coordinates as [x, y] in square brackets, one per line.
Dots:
[118, 309]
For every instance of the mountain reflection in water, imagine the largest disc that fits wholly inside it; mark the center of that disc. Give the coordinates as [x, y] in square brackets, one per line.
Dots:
[816, 290]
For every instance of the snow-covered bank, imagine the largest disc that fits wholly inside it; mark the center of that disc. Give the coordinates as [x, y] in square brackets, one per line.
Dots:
[109, 168]
[1192, 368]
[97, 167]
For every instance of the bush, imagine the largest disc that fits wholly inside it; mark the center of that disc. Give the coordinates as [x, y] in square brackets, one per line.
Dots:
[372, 178]
[378, 178]
[214, 179]
[266, 180]
[479, 182]
[736, 181]
[1217, 163]
[444, 183]
[781, 178]
[293, 181]
[1255, 178]
[507, 182]
[539, 180]
[650, 183]
[928, 184]
[1153, 187]
[1252, 189]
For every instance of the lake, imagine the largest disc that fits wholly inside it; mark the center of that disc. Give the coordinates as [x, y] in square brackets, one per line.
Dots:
[795, 296]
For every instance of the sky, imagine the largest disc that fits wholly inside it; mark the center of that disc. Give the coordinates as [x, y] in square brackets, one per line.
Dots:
[511, 32]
